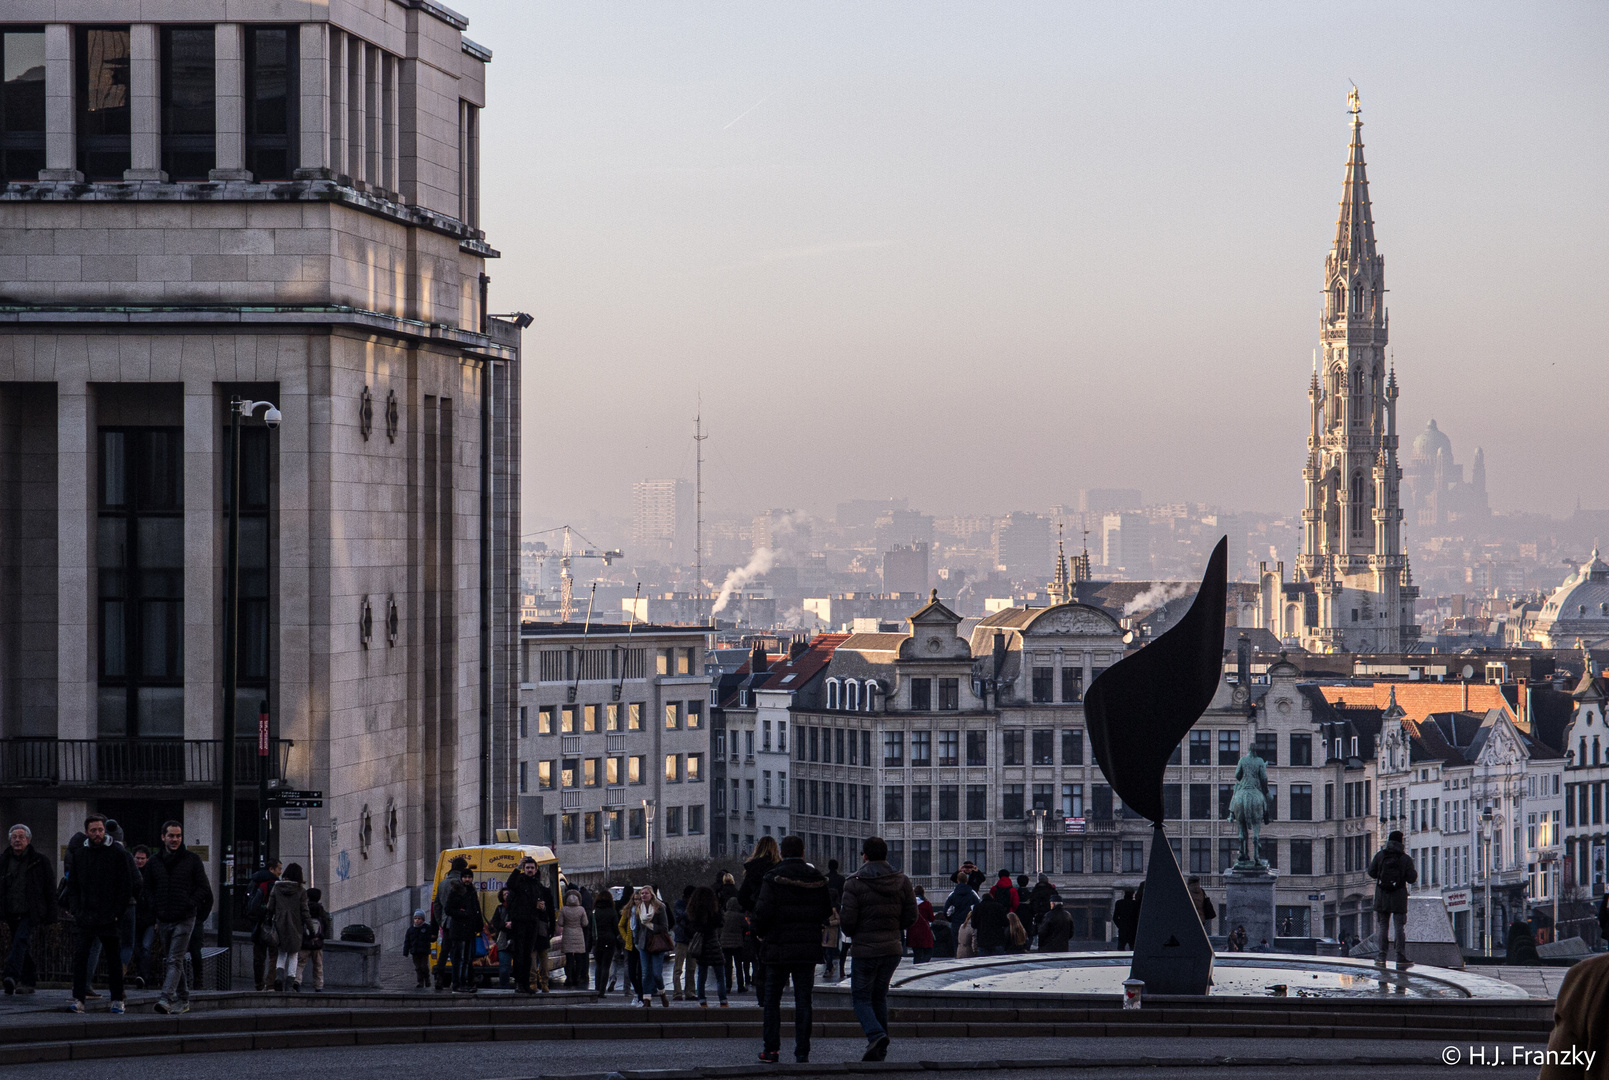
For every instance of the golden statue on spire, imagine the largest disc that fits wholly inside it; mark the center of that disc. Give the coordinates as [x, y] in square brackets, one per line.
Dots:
[1353, 104]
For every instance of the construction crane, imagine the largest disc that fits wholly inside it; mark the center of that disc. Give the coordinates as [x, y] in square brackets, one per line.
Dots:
[565, 554]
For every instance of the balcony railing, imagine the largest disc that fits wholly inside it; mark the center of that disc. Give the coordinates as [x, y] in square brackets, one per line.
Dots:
[47, 762]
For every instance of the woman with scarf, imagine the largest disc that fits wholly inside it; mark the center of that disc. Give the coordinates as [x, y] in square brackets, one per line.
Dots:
[649, 924]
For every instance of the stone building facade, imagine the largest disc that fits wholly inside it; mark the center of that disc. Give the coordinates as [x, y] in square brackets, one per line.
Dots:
[614, 743]
[274, 201]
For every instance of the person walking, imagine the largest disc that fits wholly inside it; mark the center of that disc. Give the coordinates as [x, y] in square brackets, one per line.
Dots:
[100, 884]
[1393, 871]
[704, 922]
[416, 946]
[835, 880]
[27, 903]
[288, 912]
[920, 935]
[628, 946]
[144, 921]
[263, 955]
[1056, 928]
[991, 926]
[650, 929]
[319, 926]
[681, 977]
[1126, 918]
[529, 909]
[734, 945]
[830, 934]
[605, 941]
[179, 893]
[764, 859]
[1203, 903]
[792, 906]
[1580, 1023]
[465, 922]
[573, 930]
[439, 919]
[879, 904]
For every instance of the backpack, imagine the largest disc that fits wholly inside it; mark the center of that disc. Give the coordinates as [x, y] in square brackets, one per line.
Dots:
[257, 909]
[357, 932]
[1392, 875]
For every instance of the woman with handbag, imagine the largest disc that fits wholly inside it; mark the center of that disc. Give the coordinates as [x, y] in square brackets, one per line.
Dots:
[704, 921]
[650, 929]
[288, 913]
[573, 927]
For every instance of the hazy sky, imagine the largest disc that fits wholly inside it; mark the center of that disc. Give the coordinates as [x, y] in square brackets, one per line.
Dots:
[985, 255]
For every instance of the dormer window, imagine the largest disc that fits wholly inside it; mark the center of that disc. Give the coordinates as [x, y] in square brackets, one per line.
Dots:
[852, 696]
[832, 693]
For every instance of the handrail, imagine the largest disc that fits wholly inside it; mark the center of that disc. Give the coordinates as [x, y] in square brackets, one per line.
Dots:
[135, 762]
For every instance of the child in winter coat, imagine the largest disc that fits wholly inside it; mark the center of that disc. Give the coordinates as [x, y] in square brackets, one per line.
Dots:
[319, 925]
[416, 944]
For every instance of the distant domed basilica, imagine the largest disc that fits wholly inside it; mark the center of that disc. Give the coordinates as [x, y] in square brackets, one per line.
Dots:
[1437, 493]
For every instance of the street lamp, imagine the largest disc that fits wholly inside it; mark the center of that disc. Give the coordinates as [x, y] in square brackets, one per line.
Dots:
[648, 830]
[1039, 839]
[1486, 840]
[238, 407]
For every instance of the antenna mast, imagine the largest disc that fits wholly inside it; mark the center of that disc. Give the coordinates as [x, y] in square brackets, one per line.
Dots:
[698, 528]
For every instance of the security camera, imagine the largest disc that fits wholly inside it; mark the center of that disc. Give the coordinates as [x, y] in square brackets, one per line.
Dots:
[271, 417]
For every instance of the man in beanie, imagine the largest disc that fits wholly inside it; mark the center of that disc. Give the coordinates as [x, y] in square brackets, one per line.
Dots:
[1393, 871]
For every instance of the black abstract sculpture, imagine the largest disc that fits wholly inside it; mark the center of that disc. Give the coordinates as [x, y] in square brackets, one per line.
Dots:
[1138, 711]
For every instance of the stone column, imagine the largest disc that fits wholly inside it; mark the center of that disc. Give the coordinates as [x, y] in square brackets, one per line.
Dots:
[315, 91]
[75, 573]
[61, 118]
[203, 630]
[389, 178]
[230, 103]
[374, 118]
[145, 104]
[356, 85]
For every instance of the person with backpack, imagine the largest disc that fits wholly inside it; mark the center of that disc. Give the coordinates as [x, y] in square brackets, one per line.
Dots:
[1393, 871]
[319, 926]
[263, 955]
[1005, 892]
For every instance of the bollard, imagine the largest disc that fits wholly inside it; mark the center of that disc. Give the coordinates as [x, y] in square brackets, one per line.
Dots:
[1133, 990]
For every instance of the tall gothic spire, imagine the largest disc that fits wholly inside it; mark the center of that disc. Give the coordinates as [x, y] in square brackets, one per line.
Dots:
[1354, 231]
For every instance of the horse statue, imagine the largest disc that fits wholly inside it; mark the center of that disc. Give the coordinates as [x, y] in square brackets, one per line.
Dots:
[1248, 808]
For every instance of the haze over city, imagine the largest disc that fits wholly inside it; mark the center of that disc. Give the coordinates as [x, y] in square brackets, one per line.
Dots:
[983, 256]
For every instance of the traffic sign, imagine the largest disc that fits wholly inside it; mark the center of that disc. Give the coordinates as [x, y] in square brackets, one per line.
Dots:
[1073, 824]
[288, 793]
[314, 804]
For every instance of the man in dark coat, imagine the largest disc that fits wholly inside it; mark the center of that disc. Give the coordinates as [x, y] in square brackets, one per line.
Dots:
[27, 902]
[530, 910]
[264, 957]
[463, 909]
[1039, 902]
[180, 895]
[100, 885]
[792, 907]
[989, 922]
[835, 880]
[1056, 928]
[963, 898]
[1393, 871]
[879, 905]
[1126, 918]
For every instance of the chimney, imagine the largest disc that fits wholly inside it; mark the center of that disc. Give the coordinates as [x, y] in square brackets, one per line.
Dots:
[1243, 661]
[798, 645]
[758, 663]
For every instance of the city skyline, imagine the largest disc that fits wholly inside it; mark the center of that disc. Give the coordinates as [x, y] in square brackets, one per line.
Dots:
[846, 227]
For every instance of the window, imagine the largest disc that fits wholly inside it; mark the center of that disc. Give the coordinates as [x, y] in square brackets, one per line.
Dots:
[921, 748]
[22, 105]
[1072, 683]
[978, 852]
[1100, 800]
[765, 735]
[921, 858]
[673, 821]
[1301, 749]
[1201, 748]
[1044, 797]
[1268, 851]
[838, 743]
[865, 748]
[570, 773]
[1044, 685]
[1072, 800]
[546, 722]
[1271, 803]
[977, 802]
[977, 748]
[1044, 747]
[921, 803]
[921, 695]
[896, 854]
[949, 856]
[140, 556]
[1133, 857]
[1266, 746]
[589, 718]
[765, 787]
[634, 716]
[1100, 857]
[748, 743]
[893, 804]
[832, 693]
[547, 775]
[613, 770]
[695, 768]
[1228, 747]
[589, 772]
[567, 720]
[748, 792]
[589, 827]
[637, 769]
[103, 105]
[1226, 792]
[1301, 856]
[1072, 747]
[1072, 857]
[1201, 801]
[1011, 746]
[949, 748]
[523, 786]
[1011, 802]
[782, 736]
[949, 695]
[1329, 854]
[569, 832]
[1171, 800]
[695, 716]
[893, 749]
[808, 746]
[838, 800]
[1329, 803]
[1200, 855]
[1013, 852]
[189, 109]
[673, 715]
[949, 802]
[1301, 808]
[272, 102]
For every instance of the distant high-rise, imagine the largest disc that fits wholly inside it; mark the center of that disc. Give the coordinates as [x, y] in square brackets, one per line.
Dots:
[1022, 545]
[905, 568]
[1352, 551]
[1126, 544]
[662, 520]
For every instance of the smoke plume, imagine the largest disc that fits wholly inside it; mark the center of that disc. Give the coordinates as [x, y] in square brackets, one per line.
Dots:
[1154, 597]
[763, 560]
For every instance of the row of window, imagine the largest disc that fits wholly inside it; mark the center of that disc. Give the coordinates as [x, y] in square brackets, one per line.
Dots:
[780, 744]
[765, 793]
[568, 665]
[571, 773]
[1585, 804]
[594, 826]
[1018, 746]
[610, 716]
[1043, 684]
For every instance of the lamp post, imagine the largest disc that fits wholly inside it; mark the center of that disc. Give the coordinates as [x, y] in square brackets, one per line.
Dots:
[648, 830]
[238, 407]
[1486, 840]
[1039, 840]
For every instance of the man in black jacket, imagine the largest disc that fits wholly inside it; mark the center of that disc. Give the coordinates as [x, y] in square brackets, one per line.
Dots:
[99, 888]
[878, 906]
[789, 914]
[529, 910]
[465, 920]
[1126, 918]
[989, 922]
[180, 892]
[27, 902]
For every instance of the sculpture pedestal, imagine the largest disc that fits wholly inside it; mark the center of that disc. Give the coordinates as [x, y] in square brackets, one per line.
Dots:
[1249, 902]
[1171, 952]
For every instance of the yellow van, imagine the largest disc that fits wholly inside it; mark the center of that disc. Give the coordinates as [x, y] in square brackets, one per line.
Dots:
[492, 865]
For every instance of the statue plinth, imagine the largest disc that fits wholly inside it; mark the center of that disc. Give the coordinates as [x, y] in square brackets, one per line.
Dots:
[1249, 902]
